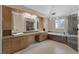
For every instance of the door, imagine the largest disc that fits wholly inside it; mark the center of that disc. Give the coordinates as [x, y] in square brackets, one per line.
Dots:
[75, 22]
[72, 30]
[72, 24]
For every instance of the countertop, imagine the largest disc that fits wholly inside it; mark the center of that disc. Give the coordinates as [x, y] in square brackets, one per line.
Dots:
[24, 34]
[34, 33]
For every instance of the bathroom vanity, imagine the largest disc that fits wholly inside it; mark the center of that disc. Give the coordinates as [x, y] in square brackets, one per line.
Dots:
[12, 44]
[15, 22]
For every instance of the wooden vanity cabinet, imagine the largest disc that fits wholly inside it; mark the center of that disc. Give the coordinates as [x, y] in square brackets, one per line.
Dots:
[31, 39]
[37, 38]
[23, 42]
[11, 45]
[41, 37]
[14, 44]
[6, 20]
[6, 46]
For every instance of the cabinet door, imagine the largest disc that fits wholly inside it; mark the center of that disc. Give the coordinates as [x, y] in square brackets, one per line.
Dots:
[31, 39]
[45, 36]
[6, 18]
[37, 38]
[6, 14]
[6, 46]
[15, 44]
[24, 42]
[42, 37]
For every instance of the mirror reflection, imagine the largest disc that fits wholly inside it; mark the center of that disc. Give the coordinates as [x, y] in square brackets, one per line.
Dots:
[24, 22]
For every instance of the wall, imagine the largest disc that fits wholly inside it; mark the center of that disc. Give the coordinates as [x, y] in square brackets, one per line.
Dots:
[51, 26]
[21, 21]
[41, 24]
[78, 31]
[46, 24]
[0, 30]
[26, 9]
[17, 22]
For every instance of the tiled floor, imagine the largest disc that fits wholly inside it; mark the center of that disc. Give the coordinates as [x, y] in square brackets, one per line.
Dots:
[47, 47]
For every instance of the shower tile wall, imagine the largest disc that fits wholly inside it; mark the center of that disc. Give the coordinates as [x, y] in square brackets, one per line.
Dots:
[72, 24]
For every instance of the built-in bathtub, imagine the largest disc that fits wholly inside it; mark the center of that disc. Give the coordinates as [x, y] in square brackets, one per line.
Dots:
[62, 34]
[70, 40]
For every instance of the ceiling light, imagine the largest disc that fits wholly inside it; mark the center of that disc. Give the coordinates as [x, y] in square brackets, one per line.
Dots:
[53, 13]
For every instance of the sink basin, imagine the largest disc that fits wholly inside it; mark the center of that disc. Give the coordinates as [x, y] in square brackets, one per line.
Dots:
[18, 34]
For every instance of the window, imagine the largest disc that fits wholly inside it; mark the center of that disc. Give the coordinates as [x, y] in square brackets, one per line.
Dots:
[59, 24]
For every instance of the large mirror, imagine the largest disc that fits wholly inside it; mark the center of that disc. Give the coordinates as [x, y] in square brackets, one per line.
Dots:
[24, 22]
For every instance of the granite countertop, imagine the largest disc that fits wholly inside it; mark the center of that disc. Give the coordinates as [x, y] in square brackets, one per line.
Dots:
[23, 34]
[62, 34]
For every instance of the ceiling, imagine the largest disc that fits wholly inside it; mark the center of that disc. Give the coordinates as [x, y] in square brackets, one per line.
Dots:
[60, 10]
[64, 10]
[40, 8]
